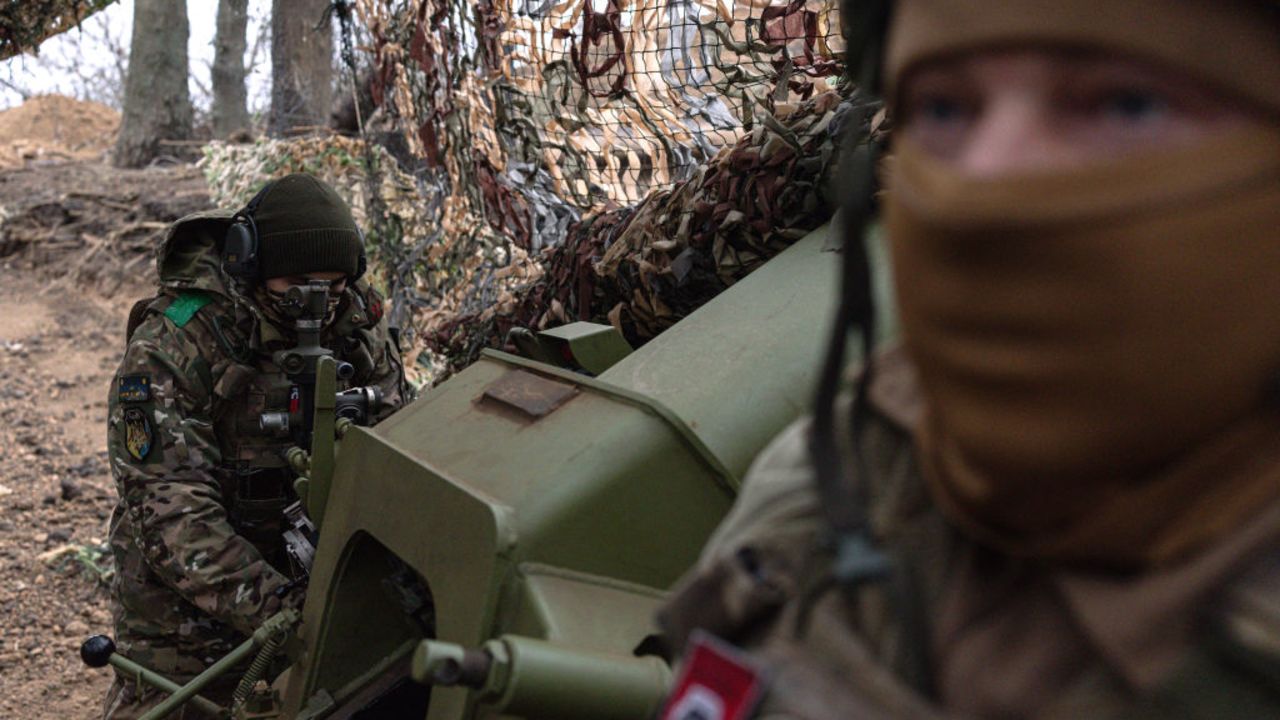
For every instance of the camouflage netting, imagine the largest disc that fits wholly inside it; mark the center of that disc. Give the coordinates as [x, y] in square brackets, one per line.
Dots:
[536, 161]
[363, 174]
[25, 24]
[643, 268]
[397, 212]
[538, 109]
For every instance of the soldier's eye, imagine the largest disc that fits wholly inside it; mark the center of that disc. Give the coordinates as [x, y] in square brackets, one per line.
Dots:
[1133, 105]
[939, 103]
[939, 109]
[940, 113]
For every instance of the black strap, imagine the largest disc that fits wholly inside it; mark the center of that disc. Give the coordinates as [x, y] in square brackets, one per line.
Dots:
[866, 24]
[246, 214]
[137, 314]
[843, 503]
[252, 206]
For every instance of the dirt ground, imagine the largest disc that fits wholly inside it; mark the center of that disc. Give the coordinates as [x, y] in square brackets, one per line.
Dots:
[58, 350]
[76, 240]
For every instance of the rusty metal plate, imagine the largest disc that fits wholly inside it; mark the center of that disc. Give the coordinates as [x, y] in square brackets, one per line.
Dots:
[531, 394]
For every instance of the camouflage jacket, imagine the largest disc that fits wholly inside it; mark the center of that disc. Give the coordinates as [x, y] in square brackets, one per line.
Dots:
[196, 532]
[1200, 640]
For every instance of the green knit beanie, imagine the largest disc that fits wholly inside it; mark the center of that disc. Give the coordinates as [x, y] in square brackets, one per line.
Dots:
[304, 227]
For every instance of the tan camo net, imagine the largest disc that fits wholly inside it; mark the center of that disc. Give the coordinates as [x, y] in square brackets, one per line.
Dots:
[594, 101]
[531, 162]
[24, 24]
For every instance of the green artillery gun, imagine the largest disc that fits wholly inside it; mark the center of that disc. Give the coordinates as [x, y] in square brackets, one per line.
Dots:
[498, 548]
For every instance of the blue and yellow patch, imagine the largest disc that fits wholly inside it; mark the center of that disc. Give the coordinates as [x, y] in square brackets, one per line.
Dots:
[137, 433]
[134, 389]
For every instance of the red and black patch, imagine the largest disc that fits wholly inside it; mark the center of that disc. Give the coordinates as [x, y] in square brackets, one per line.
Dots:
[376, 307]
[717, 682]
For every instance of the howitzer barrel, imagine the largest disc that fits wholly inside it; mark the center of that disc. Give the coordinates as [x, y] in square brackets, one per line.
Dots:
[524, 500]
[753, 351]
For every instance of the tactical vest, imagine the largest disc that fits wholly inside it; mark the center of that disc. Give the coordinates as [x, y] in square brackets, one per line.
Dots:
[257, 482]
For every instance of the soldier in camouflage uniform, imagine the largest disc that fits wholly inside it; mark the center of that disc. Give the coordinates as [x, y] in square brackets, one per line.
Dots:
[1059, 496]
[196, 534]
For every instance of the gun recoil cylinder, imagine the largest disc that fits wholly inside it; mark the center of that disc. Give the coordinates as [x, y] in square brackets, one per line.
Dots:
[533, 678]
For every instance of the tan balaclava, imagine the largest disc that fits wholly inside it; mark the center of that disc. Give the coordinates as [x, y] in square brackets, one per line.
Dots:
[1099, 349]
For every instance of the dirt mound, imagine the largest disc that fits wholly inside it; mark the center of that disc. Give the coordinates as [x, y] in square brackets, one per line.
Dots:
[55, 127]
[87, 222]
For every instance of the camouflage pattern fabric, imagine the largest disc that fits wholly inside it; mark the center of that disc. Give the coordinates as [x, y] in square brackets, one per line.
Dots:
[24, 25]
[593, 102]
[519, 125]
[196, 532]
[512, 143]
[396, 212]
[644, 268]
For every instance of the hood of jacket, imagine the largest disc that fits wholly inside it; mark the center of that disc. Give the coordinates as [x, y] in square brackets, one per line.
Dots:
[190, 255]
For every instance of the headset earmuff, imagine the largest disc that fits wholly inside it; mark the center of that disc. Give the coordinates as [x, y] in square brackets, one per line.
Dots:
[363, 263]
[240, 246]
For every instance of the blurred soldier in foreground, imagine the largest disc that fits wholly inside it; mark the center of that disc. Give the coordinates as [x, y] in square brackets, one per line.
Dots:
[1059, 497]
[202, 478]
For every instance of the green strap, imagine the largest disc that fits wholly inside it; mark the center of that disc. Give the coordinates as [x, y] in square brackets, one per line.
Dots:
[185, 307]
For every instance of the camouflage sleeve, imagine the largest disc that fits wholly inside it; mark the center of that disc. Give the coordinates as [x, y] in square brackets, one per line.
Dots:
[388, 372]
[163, 456]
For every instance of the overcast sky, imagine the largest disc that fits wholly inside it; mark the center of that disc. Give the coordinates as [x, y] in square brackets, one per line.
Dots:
[88, 50]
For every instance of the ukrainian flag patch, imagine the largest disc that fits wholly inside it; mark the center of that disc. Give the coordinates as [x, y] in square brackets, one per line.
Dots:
[134, 389]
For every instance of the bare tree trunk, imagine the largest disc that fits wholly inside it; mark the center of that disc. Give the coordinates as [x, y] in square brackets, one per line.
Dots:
[157, 104]
[301, 65]
[230, 111]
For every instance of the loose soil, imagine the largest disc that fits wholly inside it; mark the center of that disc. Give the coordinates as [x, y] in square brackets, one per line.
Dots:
[55, 128]
[77, 239]
[58, 350]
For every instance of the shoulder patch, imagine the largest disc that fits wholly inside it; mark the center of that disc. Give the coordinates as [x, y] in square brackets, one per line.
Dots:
[137, 429]
[134, 388]
[185, 306]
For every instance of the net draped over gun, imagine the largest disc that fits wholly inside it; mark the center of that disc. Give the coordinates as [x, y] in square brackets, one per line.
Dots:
[533, 162]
